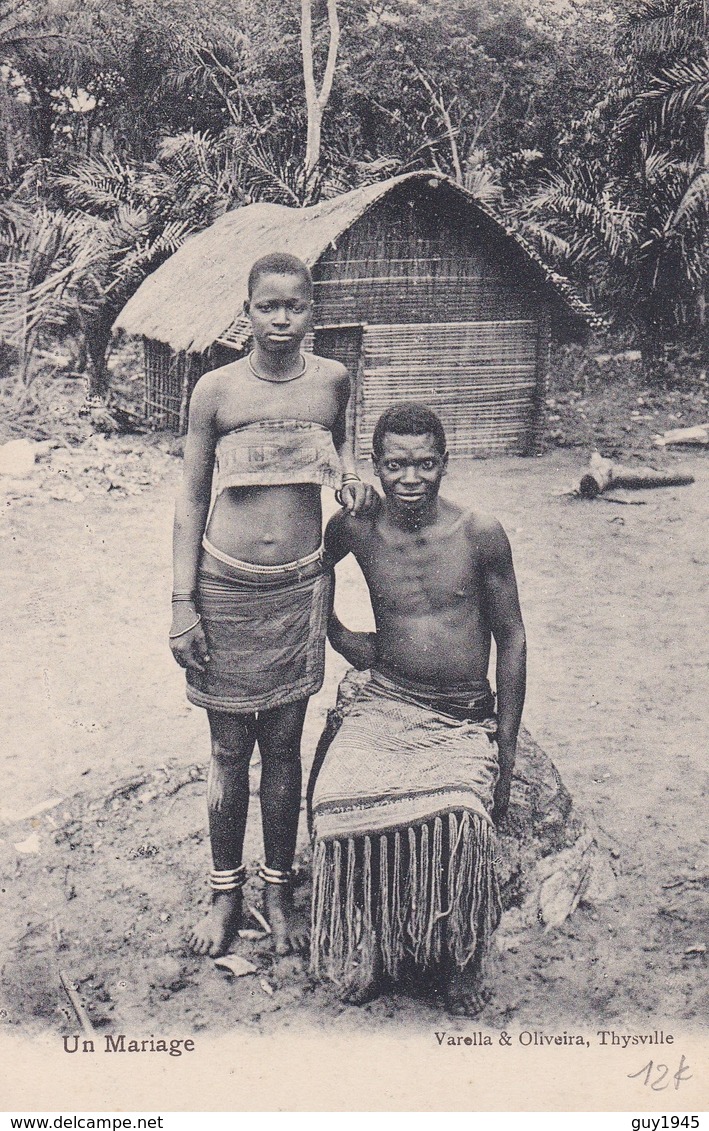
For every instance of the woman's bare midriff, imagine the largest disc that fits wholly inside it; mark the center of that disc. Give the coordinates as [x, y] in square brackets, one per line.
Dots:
[267, 525]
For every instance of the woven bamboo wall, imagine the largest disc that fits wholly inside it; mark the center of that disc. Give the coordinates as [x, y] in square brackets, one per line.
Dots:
[452, 317]
[478, 376]
[408, 261]
[169, 380]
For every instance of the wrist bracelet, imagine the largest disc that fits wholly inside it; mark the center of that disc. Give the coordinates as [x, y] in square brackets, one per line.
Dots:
[183, 595]
[176, 635]
[345, 480]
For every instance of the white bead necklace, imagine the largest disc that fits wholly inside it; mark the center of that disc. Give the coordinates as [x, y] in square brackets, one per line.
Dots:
[277, 380]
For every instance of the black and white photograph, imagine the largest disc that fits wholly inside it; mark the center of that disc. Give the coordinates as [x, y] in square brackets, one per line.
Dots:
[353, 466]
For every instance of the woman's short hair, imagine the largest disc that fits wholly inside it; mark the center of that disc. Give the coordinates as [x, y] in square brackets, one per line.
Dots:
[279, 263]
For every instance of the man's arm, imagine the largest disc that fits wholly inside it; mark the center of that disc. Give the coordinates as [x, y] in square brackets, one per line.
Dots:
[358, 648]
[505, 620]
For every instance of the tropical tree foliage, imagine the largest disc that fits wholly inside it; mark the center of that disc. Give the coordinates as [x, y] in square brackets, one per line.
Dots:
[126, 125]
[626, 208]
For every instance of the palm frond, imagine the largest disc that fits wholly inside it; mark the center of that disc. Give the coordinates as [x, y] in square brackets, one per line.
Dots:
[273, 175]
[32, 33]
[552, 246]
[13, 303]
[693, 209]
[343, 171]
[204, 173]
[673, 95]
[16, 222]
[483, 183]
[130, 225]
[662, 167]
[678, 90]
[659, 26]
[135, 263]
[98, 183]
[21, 23]
[594, 218]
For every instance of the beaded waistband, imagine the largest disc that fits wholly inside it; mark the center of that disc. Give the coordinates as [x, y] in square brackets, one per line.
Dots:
[256, 567]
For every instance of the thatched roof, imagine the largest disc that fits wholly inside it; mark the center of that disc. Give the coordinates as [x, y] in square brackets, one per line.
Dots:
[196, 296]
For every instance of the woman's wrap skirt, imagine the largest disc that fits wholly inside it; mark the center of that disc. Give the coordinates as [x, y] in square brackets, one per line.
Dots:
[265, 629]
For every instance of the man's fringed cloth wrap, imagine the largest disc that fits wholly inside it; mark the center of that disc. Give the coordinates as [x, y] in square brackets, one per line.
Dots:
[265, 629]
[403, 855]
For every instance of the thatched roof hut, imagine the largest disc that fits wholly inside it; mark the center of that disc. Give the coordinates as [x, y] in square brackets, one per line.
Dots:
[419, 290]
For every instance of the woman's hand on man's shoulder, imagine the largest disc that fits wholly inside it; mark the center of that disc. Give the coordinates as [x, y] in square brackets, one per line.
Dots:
[359, 499]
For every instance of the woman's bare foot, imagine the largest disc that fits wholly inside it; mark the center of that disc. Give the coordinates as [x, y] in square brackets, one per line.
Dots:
[217, 930]
[289, 927]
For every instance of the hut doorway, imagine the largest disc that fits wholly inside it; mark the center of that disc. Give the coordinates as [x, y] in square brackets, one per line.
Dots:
[480, 377]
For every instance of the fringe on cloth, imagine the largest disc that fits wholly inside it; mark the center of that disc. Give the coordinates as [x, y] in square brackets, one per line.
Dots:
[421, 893]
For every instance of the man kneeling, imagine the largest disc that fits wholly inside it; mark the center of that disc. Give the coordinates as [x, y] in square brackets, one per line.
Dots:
[405, 799]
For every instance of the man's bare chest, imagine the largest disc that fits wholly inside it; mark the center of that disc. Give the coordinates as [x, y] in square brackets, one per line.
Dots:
[419, 578]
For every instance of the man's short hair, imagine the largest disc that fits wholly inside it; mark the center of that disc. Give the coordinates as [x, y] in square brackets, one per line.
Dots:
[279, 263]
[408, 418]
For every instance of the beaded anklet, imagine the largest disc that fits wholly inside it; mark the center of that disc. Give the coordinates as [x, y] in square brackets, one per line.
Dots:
[230, 880]
[274, 876]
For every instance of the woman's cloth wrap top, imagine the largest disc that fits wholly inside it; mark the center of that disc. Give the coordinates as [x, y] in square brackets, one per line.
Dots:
[270, 453]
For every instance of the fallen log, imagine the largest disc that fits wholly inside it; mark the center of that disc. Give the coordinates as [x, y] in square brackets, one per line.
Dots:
[699, 434]
[603, 474]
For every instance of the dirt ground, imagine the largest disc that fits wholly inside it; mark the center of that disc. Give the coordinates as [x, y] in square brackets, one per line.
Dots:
[103, 884]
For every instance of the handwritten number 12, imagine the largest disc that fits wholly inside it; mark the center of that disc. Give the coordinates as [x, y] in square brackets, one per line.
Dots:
[662, 1070]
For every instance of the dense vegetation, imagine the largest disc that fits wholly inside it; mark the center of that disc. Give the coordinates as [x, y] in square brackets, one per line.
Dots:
[126, 125]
